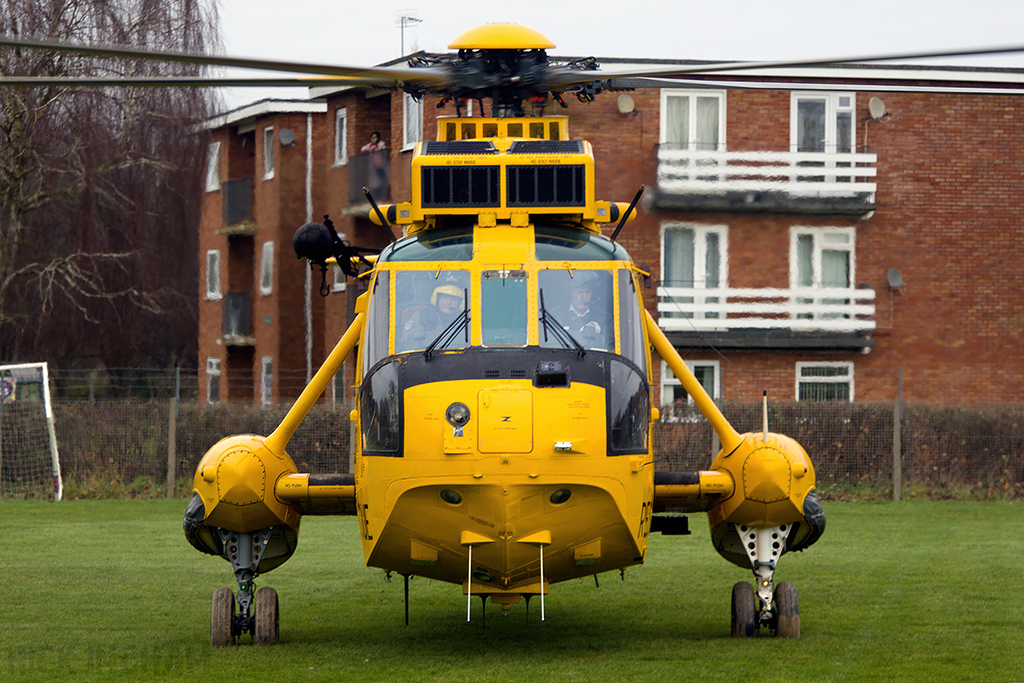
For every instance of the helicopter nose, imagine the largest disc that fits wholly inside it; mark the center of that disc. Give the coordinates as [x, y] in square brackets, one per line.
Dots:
[767, 475]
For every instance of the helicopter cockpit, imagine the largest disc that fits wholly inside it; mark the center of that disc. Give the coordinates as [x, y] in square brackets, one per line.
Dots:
[547, 305]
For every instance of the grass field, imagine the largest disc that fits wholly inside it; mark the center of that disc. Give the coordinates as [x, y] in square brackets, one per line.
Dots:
[914, 591]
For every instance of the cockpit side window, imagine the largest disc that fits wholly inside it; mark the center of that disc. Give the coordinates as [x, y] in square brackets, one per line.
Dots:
[581, 303]
[378, 328]
[427, 302]
[631, 320]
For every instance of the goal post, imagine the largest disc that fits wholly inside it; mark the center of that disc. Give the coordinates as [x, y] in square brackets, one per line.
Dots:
[29, 461]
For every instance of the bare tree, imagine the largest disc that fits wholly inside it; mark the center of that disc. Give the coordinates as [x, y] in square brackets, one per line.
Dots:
[99, 187]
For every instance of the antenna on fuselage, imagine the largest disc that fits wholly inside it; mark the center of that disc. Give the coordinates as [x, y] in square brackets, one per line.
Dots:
[625, 216]
[764, 418]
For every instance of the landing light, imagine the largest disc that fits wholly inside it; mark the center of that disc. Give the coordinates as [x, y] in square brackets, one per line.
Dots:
[449, 496]
[560, 496]
[457, 414]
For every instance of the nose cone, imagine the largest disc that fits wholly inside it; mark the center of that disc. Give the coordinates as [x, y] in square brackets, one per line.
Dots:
[241, 478]
[767, 475]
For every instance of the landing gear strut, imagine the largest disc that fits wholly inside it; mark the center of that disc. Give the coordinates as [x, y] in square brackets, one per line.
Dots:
[779, 606]
[257, 612]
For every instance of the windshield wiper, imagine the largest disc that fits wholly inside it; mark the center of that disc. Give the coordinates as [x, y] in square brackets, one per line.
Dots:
[448, 334]
[560, 333]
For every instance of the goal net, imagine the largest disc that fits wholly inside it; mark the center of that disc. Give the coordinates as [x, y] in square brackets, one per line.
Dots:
[29, 465]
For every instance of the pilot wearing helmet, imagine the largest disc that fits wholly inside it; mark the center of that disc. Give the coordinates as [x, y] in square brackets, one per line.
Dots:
[427, 323]
[587, 320]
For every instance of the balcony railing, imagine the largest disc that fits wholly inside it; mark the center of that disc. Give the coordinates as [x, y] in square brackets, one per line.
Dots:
[798, 182]
[371, 170]
[800, 309]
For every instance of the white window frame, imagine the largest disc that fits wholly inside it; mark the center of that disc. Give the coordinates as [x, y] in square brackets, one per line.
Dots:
[667, 93]
[213, 275]
[847, 379]
[341, 136]
[266, 380]
[213, 166]
[820, 236]
[268, 152]
[700, 232]
[412, 121]
[212, 371]
[835, 103]
[267, 269]
[669, 380]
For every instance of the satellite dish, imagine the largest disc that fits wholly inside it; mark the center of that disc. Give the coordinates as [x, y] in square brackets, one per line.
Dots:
[287, 137]
[626, 104]
[876, 107]
[895, 279]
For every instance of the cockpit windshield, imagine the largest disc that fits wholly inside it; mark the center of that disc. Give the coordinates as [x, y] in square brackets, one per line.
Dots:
[427, 303]
[580, 302]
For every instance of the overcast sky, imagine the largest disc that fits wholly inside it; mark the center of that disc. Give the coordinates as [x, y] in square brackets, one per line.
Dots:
[367, 33]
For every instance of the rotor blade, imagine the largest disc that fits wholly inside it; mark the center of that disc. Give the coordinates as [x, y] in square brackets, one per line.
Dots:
[568, 77]
[376, 76]
[986, 89]
[176, 81]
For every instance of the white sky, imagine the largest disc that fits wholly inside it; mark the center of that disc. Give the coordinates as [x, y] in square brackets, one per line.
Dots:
[367, 33]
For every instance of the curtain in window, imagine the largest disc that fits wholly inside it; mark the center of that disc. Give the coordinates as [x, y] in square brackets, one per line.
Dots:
[679, 262]
[677, 121]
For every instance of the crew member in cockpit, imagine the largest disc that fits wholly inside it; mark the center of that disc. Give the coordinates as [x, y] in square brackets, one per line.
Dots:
[426, 323]
[587, 321]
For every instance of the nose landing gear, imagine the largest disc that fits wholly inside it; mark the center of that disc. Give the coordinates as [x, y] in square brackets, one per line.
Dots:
[774, 607]
[257, 612]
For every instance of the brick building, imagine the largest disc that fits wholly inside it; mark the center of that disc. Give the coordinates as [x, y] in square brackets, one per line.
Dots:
[833, 234]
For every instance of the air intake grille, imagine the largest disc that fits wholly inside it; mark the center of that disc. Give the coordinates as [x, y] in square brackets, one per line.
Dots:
[460, 186]
[434, 147]
[546, 147]
[546, 185]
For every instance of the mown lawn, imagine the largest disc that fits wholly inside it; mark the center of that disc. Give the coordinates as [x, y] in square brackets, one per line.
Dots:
[913, 591]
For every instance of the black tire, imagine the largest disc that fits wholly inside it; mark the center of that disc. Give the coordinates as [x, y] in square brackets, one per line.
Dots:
[221, 616]
[787, 611]
[744, 611]
[267, 631]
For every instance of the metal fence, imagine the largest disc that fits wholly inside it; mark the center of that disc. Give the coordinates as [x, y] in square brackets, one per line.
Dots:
[127, 446]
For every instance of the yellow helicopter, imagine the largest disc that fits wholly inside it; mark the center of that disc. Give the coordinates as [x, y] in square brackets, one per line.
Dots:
[504, 373]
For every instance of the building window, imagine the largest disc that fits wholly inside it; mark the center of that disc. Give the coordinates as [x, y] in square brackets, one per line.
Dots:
[338, 283]
[338, 386]
[213, 290]
[693, 120]
[823, 381]
[268, 152]
[676, 401]
[266, 380]
[694, 257]
[267, 269]
[822, 123]
[822, 258]
[213, 380]
[340, 137]
[412, 118]
[213, 167]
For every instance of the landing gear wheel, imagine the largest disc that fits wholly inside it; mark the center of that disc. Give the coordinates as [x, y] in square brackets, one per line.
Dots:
[744, 611]
[221, 616]
[267, 631]
[787, 611]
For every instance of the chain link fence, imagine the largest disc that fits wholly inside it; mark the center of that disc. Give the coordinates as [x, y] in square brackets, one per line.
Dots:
[115, 440]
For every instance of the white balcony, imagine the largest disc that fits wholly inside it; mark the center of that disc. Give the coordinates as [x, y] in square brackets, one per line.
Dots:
[797, 182]
[801, 309]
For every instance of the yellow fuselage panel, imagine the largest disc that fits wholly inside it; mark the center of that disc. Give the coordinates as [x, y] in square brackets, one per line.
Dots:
[553, 477]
